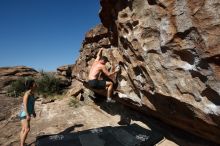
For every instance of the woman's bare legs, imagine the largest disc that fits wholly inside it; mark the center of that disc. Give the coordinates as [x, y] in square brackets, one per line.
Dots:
[24, 131]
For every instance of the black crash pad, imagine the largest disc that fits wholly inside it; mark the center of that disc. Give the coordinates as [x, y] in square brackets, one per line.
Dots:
[131, 135]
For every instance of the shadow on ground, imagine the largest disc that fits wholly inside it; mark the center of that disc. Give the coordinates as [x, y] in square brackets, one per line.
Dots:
[131, 135]
[128, 114]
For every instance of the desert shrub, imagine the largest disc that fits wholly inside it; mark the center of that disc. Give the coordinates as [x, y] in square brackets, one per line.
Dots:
[16, 88]
[48, 84]
[74, 102]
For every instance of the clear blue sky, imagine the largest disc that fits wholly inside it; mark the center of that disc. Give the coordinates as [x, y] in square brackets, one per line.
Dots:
[44, 34]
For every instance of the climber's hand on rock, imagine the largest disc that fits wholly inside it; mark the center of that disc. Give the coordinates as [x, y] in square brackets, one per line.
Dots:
[117, 69]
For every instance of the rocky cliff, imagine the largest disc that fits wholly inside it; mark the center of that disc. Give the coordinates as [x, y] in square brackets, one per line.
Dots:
[169, 52]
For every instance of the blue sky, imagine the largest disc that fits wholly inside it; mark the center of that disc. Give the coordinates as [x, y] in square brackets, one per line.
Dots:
[44, 34]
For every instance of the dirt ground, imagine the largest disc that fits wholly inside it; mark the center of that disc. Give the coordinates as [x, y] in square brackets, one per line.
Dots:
[59, 117]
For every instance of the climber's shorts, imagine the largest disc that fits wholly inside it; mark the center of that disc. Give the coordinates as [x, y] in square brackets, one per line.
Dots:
[97, 84]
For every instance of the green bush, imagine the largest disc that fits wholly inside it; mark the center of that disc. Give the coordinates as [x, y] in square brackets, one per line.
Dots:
[74, 102]
[18, 87]
[48, 84]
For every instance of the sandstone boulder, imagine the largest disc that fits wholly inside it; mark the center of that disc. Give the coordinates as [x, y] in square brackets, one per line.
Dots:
[65, 70]
[169, 52]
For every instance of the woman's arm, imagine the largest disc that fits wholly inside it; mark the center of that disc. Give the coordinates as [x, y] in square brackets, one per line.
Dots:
[34, 113]
[25, 102]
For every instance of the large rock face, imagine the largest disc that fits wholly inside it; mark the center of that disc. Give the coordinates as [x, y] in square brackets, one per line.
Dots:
[169, 51]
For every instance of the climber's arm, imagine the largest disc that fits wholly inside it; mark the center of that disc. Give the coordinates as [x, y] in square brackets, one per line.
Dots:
[99, 55]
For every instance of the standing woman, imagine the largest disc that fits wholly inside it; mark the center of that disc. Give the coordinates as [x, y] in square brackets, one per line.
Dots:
[27, 109]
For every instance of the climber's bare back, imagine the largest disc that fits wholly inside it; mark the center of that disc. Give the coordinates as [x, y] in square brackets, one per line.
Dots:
[96, 68]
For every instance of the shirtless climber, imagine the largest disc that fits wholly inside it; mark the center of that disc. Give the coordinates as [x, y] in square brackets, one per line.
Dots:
[97, 67]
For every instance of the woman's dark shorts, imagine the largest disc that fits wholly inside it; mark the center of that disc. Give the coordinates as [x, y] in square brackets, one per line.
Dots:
[97, 84]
